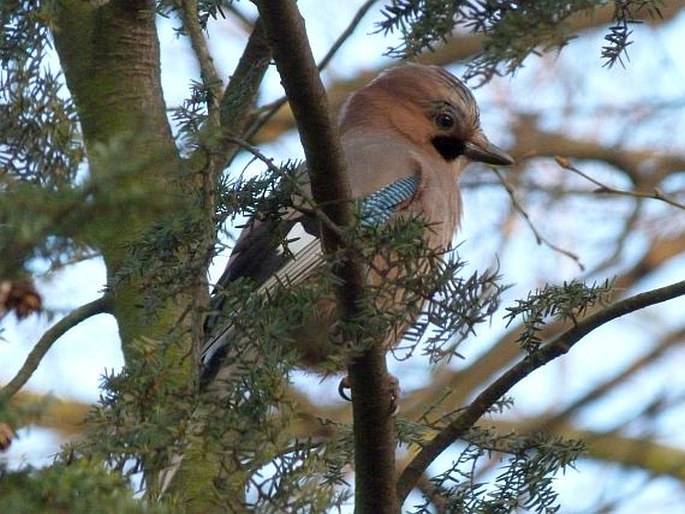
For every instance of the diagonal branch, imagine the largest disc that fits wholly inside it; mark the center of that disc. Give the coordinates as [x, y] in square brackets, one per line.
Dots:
[99, 306]
[229, 111]
[241, 93]
[555, 348]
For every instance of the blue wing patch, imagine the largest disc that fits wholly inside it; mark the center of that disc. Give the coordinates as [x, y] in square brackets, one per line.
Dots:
[377, 208]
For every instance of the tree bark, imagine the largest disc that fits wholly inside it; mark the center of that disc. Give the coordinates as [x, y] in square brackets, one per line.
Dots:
[374, 434]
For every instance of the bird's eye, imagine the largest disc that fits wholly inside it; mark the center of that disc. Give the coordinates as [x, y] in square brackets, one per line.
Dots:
[444, 121]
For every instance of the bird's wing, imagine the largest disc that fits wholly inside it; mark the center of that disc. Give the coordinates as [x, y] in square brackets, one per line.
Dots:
[286, 250]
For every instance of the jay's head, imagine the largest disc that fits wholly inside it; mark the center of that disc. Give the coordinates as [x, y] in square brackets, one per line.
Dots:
[426, 105]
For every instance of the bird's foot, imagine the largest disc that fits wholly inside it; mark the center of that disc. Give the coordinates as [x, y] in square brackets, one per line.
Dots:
[343, 386]
[393, 391]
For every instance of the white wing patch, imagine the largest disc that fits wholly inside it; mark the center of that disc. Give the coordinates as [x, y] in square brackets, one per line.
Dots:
[306, 256]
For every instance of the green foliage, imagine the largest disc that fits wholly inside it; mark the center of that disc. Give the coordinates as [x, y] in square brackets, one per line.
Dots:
[618, 37]
[567, 302]
[143, 419]
[444, 307]
[36, 223]
[524, 482]
[169, 257]
[514, 29]
[458, 306]
[63, 223]
[140, 415]
[38, 126]
[267, 195]
[79, 487]
[39, 141]
[190, 117]
[247, 415]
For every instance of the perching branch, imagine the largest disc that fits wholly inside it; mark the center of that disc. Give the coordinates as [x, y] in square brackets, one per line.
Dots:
[373, 423]
[99, 306]
[555, 348]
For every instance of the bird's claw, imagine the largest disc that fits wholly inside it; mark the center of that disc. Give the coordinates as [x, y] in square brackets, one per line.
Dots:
[343, 386]
[393, 389]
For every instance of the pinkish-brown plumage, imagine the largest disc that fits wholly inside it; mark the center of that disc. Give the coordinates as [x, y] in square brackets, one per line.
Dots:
[412, 120]
[399, 125]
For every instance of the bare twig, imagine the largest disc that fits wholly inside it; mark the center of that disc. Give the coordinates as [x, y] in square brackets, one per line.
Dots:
[555, 348]
[99, 306]
[256, 153]
[539, 238]
[655, 194]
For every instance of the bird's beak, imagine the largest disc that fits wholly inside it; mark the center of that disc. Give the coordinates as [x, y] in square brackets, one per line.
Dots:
[481, 150]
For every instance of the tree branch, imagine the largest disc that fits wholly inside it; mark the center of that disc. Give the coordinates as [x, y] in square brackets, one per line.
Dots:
[373, 423]
[210, 77]
[555, 348]
[234, 107]
[240, 94]
[99, 306]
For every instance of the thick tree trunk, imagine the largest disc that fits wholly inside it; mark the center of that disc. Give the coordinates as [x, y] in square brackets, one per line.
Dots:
[110, 57]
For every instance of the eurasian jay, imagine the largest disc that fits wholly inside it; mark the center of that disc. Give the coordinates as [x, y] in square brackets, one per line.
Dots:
[406, 138]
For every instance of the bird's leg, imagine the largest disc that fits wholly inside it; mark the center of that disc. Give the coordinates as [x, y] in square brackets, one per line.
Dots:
[393, 391]
[343, 386]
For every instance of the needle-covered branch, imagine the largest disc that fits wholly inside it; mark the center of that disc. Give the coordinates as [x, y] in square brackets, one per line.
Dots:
[550, 351]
